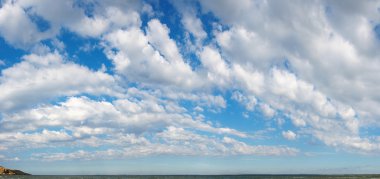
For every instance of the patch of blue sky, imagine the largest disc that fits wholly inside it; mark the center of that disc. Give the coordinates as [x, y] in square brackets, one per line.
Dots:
[164, 164]
[58, 100]
[376, 30]
[87, 6]
[288, 65]
[306, 164]
[85, 51]
[41, 24]
[193, 60]
[14, 156]
[257, 124]
[233, 117]
[168, 15]
[370, 131]
[9, 55]
[146, 17]
[328, 10]
[107, 98]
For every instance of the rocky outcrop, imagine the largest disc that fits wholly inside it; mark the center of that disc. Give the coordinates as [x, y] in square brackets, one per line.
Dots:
[5, 171]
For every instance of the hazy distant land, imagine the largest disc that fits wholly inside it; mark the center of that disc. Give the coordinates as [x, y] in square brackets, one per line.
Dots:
[263, 176]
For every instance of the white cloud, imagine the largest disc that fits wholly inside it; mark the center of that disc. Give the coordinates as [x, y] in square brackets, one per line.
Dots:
[298, 122]
[138, 61]
[23, 32]
[286, 84]
[198, 109]
[41, 78]
[158, 36]
[67, 14]
[217, 70]
[314, 64]
[125, 124]
[289, 135]
[20, 31]
[130, 115]
[90, 26]
[267, 110]
[190, 20]
[349, 142]
[280, 121]
[248, 101]
[237, 45]
[240, 147]
[2, 63]
[194, 26]
[318, 67]
[176, 141]
[4, 158]
[213, 102]
[252, 81]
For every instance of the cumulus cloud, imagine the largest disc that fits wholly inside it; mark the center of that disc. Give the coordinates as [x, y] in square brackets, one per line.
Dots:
[248, 101]
[22, 32]
[314, 67]
[216, 68]
[133, 126]
[139, 61]
[289, 135]
[27, 17]
[138, 152]
[190, 20]
[267, 110]
[46, 77]
[314, 64]
[176, 141]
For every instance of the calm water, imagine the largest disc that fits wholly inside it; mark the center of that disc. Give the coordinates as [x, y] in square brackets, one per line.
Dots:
[190, 177]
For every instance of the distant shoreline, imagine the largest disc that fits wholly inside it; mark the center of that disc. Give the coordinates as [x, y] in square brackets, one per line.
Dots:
[221, 175]
[205, 174]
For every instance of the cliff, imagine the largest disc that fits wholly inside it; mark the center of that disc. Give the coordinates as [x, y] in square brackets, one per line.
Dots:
[5, 171]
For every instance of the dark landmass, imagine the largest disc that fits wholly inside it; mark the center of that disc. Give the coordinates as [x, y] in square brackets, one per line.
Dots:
[6, 171]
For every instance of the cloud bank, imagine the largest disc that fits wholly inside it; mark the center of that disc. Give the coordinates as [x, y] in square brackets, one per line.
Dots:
[308, 70]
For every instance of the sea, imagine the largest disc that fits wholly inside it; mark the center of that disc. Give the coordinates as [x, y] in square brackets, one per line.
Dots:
[190, 176]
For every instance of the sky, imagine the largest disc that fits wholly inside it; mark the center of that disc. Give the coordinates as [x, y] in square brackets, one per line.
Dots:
[190, 87]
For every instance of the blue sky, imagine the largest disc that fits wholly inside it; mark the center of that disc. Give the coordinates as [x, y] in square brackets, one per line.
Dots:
[190, 87]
